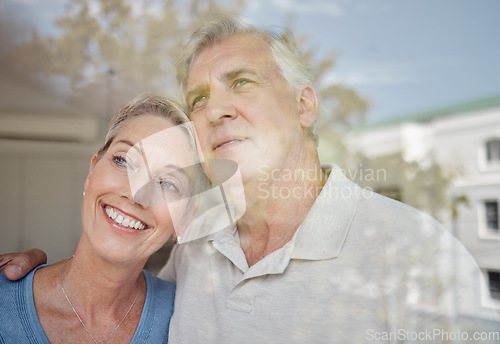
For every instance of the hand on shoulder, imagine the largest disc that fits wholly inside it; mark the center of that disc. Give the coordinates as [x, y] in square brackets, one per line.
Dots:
[16, 265]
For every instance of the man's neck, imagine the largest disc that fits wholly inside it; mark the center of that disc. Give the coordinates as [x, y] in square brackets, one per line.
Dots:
[276, 206]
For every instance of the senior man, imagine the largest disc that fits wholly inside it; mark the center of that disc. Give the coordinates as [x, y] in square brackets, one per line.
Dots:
[315, 258]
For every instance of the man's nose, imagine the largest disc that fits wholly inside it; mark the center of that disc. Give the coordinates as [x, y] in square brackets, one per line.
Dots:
[220, 106]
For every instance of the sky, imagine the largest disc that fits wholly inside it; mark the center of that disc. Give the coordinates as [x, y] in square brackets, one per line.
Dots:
[403, 56]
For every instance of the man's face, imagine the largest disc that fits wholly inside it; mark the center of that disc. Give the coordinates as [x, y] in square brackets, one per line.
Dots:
[242, 107]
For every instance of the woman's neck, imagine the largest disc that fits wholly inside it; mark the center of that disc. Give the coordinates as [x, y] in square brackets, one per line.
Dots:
[99, 297]
[98, 285]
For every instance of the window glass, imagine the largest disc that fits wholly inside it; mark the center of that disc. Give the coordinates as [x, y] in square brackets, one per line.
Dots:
[491, 214]
[493, 150]
[494, 284]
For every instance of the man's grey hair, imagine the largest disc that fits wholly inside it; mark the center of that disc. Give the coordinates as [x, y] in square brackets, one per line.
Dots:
[224, 26]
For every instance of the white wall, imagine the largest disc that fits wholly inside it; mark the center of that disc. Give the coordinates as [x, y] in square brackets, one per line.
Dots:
[41, 187]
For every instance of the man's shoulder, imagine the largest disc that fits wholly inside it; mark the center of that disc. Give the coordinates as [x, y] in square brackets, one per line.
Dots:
[371, 208]
[374, 208]
[392, 225]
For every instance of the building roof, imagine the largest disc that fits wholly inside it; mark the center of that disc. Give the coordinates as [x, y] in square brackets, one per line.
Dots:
[17, 97]
[454, 110]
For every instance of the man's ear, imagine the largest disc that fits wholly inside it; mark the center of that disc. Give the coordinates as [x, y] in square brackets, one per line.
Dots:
[308, 106]
[93, 161]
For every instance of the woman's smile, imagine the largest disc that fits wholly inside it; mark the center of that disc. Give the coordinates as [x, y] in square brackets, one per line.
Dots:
[121, 219]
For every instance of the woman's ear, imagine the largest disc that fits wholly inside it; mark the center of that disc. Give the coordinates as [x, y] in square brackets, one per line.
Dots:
[189, 214]
[308, 106]
[93, 161]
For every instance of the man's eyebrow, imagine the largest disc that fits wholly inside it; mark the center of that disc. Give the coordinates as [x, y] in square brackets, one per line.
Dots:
[200, 89]
[236, 73]
[231, 75]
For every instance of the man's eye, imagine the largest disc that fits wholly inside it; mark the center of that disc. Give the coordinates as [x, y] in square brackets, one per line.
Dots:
[197, 100]
[241, 82]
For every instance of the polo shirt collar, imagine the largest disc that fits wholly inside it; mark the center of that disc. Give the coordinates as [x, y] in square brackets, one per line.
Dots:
[325, 228]
[320, 236]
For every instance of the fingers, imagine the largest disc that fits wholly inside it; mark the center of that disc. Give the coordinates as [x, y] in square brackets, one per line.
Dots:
[5, 259]
[17, 265]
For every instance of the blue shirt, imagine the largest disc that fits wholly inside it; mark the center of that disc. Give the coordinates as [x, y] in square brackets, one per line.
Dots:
[19, 322]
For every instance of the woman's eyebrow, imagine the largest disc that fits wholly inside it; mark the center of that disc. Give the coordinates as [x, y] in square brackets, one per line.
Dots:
[172, 168]
[175, 168]
[126, 142]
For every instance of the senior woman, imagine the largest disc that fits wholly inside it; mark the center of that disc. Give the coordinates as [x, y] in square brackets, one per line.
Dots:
[102, 294]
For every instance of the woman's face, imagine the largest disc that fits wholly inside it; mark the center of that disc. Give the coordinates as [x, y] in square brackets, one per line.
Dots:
[124, 228]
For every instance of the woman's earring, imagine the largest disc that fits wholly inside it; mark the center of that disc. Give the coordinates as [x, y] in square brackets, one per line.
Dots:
[177, 238]
[83, 193]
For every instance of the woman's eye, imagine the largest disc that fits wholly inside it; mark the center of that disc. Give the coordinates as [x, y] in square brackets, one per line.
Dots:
[120, 161]
[169, 185]
[125, 163]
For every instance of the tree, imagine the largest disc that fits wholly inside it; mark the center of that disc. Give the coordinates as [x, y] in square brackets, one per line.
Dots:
[423, 185]
[111, 50]
[104, 57]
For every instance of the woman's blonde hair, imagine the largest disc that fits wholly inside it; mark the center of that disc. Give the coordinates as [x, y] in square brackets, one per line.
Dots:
[145, 104]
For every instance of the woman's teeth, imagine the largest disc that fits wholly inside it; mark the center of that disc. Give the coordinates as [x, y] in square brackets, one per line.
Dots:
[124, 220]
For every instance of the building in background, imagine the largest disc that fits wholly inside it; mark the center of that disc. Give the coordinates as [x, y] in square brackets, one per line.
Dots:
[467, 138]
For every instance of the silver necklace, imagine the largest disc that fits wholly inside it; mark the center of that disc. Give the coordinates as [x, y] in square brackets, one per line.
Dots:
[81, 321]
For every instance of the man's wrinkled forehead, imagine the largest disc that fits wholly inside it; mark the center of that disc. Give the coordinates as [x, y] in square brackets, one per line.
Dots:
[234, 41]
[237, 46]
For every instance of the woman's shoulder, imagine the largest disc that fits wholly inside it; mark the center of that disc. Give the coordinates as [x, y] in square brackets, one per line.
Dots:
[8, 288]
[160, 295]
[18, 320]
[9, 304]
[16, 295]
[157, 311]
[159, 287]
[13, 289]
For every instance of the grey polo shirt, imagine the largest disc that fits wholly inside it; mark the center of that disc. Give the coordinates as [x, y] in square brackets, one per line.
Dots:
[360, 268]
